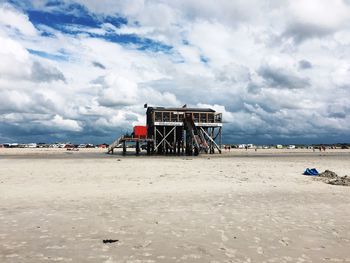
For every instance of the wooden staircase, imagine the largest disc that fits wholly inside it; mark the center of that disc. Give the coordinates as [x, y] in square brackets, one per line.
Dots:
[197, 136]
[115, 144]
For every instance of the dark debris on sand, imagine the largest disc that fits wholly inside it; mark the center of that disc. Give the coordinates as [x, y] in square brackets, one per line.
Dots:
[105, 241]
[345, 180]
[332, 178]
[328, 174]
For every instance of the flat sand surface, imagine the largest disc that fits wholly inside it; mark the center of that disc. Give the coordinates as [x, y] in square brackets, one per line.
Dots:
[242, 206]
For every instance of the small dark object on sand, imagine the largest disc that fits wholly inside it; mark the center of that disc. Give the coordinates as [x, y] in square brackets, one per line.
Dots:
[312, 172]
[105, 241]
[328, 174]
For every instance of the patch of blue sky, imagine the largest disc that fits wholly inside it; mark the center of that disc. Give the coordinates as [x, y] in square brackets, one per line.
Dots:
[140, 43]
[204, 59]
[117, 21]
[57, 57]
[20, 4]
[55, 20]
[75, 19]
[73, 14]
[144, 44]
[54, 3]
[46, 34]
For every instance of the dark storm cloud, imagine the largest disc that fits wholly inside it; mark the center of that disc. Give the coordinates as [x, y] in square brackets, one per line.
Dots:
[337, 115]
[35, 132]
[98, 65]
[304, 64]
[26, 102]
[253, 88]
[130, 117]
[41, 73]
[338, 111]
[300, 32]
[280, 78]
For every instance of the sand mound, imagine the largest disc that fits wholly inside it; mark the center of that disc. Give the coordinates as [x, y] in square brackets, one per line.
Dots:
[332, 178]
[345, 180]
[328, 174]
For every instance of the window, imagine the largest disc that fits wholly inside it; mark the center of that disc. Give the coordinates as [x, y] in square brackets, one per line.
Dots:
[203, 117]
[196, 117]
[158, 116]
[218, 117]
[181, 117]
[173, 116]
[166, 116]
[210, 117]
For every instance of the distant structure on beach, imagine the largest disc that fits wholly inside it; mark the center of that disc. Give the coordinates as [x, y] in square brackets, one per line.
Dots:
[182, 130]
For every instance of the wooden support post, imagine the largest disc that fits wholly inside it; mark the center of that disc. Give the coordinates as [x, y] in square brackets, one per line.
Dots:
[220, 138]
[186, 143]
[174, 142]
[189, 144]
[183, 140]
[124, 147]
[164, 145]
[137, 147]
[156, 144]
[196, 151]
[148, 148]
[155, 136]
[212, 151]
[166, 148]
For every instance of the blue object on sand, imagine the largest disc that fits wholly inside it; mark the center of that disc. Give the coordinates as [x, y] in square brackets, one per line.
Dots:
[312, 172]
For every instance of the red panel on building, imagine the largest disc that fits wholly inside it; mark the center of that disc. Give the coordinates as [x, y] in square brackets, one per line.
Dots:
[140, 132]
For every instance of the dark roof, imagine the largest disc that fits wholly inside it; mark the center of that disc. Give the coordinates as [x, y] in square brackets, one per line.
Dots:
[180, 109]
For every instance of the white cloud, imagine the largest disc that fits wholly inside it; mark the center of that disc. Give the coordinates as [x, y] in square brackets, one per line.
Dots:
[322, 13]
[117, 91]
[61, 124]
[12, 18]
[316, 18]
[14, 62]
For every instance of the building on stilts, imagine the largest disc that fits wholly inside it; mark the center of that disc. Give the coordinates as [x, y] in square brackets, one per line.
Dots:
[177, 131]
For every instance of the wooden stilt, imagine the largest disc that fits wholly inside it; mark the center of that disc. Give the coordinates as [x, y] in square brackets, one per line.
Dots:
[137, 147]
[174, 142]
[124, 147]
[148, 148]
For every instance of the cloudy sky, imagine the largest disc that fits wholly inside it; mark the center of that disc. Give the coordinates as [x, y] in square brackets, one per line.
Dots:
[81, 70]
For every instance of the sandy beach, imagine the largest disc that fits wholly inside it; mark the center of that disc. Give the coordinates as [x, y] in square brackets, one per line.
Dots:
[241, 206]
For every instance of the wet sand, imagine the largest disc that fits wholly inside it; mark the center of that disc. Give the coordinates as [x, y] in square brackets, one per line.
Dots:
[242, 206]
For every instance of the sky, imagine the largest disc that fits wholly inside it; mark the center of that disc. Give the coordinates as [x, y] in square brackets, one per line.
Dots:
[82, 70]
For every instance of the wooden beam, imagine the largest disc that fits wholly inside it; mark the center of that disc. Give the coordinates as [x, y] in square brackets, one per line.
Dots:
[211, 139]
[164, 138]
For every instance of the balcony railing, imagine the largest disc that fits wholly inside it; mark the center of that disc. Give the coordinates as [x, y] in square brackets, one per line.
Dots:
[198, 117]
